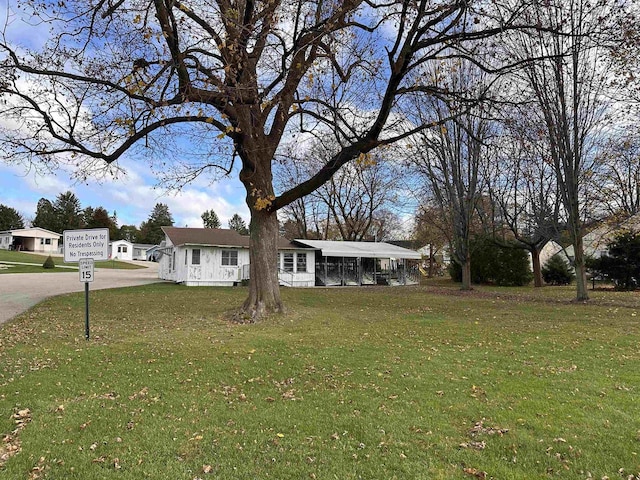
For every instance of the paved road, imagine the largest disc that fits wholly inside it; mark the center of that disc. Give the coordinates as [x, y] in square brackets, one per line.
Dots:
[21, 291]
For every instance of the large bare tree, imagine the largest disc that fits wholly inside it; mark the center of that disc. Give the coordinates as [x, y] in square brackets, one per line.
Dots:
[568, 90]
[617, 180]
[523, 188]
[351, 202]
[234, 78]
[452, 155]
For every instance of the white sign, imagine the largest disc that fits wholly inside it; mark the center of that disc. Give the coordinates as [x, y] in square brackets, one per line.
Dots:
[90, 243]
[85, 266]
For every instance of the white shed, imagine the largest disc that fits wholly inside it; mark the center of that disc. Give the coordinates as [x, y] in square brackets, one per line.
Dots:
[121, 250]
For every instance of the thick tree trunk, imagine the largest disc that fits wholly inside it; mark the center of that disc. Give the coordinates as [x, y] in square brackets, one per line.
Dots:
[582, 293]
[430, 260]
[466, 275]
[537, 269]
[264, 288]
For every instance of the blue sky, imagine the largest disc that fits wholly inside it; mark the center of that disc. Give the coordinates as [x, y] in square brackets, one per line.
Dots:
[132, 196]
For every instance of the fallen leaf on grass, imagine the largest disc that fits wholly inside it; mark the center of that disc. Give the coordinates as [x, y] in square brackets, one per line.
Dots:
[11, 444]
[474, 472]
[141, 394]
[290, 395]
[479, 428]
[475, 445]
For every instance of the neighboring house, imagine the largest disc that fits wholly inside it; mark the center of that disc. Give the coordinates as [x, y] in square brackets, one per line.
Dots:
[362, 263]
[126, 250]
[552, 248]
[121, 250]
[220, 257]
[34, 239]
[152, 254]
[140, 250]
[435, 258]
[597, 240]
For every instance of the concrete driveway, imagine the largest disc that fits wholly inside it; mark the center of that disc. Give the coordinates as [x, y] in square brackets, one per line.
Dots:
[21, 291]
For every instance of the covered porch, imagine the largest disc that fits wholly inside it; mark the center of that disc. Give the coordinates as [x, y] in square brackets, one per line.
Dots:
[363, 263]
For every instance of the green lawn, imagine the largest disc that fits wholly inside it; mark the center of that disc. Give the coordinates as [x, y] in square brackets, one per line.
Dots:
[11, 256]
[375, 383]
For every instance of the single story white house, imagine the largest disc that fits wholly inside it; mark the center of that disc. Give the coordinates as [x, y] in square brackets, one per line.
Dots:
[220, 257]
[34, 239]
[126, 250]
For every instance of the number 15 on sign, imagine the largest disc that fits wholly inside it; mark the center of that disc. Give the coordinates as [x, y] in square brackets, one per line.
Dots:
[85, 266]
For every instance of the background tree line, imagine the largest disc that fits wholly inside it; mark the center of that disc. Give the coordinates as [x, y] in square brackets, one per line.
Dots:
[65, 212]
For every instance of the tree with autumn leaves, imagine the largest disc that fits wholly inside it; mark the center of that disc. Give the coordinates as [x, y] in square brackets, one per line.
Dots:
[211, 86]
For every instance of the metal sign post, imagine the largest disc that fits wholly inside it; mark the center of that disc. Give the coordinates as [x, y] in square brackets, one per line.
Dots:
[84, 247]
[85, 267]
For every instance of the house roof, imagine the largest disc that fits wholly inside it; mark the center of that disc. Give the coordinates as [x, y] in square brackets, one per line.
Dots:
[409, 244]
[331, 248]
[135, 245]
[122, 240]
[31, 232]
[215, 237]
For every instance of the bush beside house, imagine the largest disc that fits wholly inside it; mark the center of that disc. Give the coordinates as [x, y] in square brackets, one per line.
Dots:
[557, 271]
[495, 264]
[621, 263]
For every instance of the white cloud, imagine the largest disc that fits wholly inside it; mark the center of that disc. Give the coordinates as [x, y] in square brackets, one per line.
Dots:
[32, 32]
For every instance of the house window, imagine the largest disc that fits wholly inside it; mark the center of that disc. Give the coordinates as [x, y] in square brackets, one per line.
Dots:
[230, 258]
[186, 254]
[122, 249]
[174, 259]
[301, 260]
[47, 241]
[195, 256]
[170, 263]
[288, 262]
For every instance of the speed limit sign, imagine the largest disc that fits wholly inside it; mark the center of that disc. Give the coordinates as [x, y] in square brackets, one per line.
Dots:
[85, 266]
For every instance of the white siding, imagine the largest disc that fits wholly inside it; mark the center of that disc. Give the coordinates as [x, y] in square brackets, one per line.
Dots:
[121, 250]
[297, 278]
[211, 272]
[164, 263]
[5, 241]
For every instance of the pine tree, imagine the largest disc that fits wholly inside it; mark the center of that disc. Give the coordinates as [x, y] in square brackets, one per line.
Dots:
[10, 219]
[151, 231]
[210, 219]
[238, 224]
